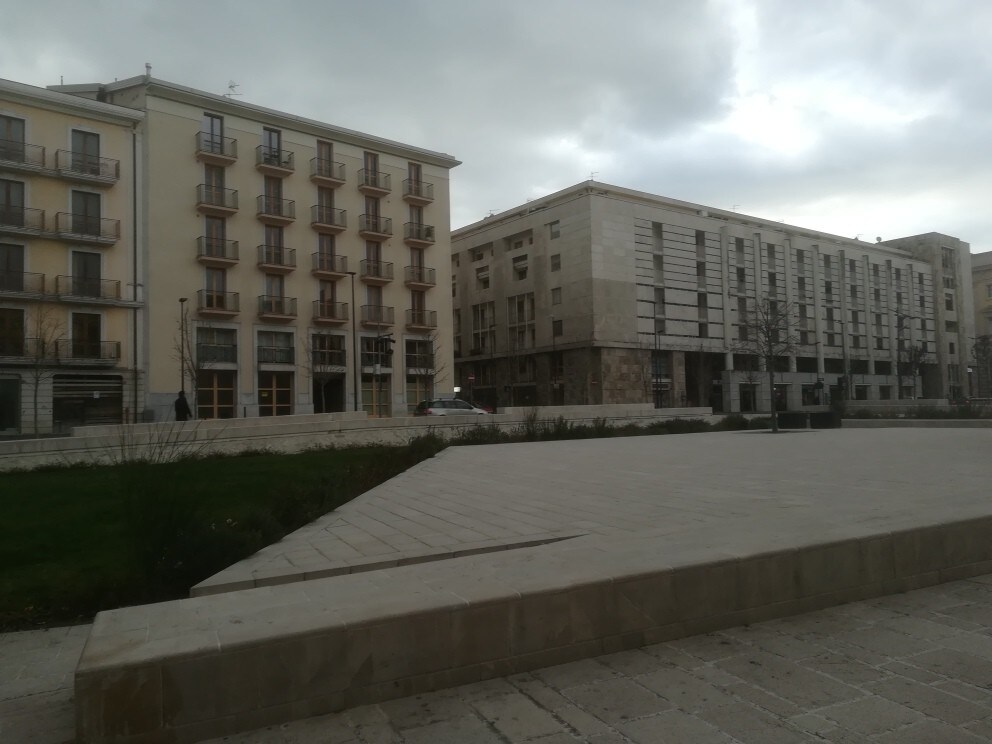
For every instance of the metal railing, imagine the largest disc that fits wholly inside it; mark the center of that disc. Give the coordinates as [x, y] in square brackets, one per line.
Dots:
[100, 228]
[419, 361]
[376, 269]
[217, 248]
[420, 275]
[375, 224]
[276, 255]
[85, 164]
[22, 281]
[422, 318]
[275, 157]
[321, 215]
[216, 196]
[329, 357]
[22, 153]
[212, 300]
[416, 231]
[374, 180]
[377, 314]
[82, 286]
[225, 353]
[215, 144]
[329, 263]
[275, 305]
[418, 189]
[22, 218]
[321, 168]
[276, 207]
[326, 310]
[103, 351]
[276, 355]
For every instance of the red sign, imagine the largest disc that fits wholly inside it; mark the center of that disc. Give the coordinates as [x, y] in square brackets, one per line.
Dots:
[471, 378]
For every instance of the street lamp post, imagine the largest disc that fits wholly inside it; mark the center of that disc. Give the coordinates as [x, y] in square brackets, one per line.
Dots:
[554, 367]
[182, 344]
[354, 342]
[492, 366]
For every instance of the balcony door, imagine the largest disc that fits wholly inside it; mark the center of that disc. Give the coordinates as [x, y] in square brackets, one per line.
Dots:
[272, 146]
[85, 274]
[85, 213]
[215, 229]
[11, 268]
[85, 336]
[11, 203]
[216, 288]
[213, 180]
[11, 332]
[85, 152]
[12, 139]
[213, 133]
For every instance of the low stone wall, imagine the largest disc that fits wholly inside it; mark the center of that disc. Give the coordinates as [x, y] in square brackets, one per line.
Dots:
[897, 423]
[109, 444]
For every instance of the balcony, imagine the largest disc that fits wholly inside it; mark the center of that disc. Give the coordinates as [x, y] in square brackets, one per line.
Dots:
[216, 354]
[276, 355]
[330, 313]
[21, 220]
[274, 161]
[327, 266]
[212, 304]
[376, 272]
[418, 192]
[80, 166]
[16, 349]
[275, 259]
[421, 320]
[81, 288]
[373, 183]
[420, 361]
[275, 211]
[377, 316]
[419, 277]
[418, 235]
[216, 200]
[375, 227]
[326, 172]
[97, 353]
[216, 252]
[216, 150]
[329, 357]
[22, 282]
[328, 219]
[273, 307]
[21, 157]
[83, 228]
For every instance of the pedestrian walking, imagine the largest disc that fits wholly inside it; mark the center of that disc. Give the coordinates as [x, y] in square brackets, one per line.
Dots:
[183, 412]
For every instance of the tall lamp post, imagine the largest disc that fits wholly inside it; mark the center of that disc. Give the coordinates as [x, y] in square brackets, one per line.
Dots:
[182, 343]
[554, 367]
[354, 342]
[492, 366]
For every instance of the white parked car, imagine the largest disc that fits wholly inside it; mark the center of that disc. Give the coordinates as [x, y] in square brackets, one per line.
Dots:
[446, 407]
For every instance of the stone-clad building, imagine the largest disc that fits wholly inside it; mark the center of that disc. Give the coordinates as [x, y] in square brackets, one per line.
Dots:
[599, 294]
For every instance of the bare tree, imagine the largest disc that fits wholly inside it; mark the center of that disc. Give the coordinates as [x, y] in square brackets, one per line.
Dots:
[322, 363]
[42, 353]
[767, 331]
[911, 361]
[981, 352]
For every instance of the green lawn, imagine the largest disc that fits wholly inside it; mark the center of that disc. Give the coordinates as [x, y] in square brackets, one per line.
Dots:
[77, 540]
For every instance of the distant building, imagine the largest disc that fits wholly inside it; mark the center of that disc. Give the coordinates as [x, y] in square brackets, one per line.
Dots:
[981, 361]
[257, 226]
[71, 305]
[599, 294]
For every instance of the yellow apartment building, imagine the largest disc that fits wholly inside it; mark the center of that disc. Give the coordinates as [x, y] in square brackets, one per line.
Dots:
[291, 264]
[71, 303]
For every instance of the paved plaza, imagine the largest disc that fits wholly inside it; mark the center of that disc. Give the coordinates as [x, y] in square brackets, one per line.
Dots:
[489, 526]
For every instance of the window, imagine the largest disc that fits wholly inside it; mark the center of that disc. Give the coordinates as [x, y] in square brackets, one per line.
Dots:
[556, 262]
[85, 152]
[520, 321]
[950, 347]
[520, 267]
[215, 294]
[949, 282]
[828, 289]
[11, 267]
[275, 393]
[554, 230]
[477, 254]
[852, 266]
[271, 146]
[12, 203]
[215, 393]
[12, 139]
[951, 326]
[275, 347]
[800, 258]
[212, 133]
[419, 354]
[86, 274]
[898, 275]
[216, 345]
[854, 291]
[701, 271]
[483, 327]
[11, 332]
[86, 336]
[988, 291]
[85, 213]
[801, 284]
[482, 277]
[946, 258]
[328, 350]
[273, 195]
[213, 179]
[556, 328]
[772, 280]
[771, 254]
[948, 301]
[741, 280]
[878, 295]
[556, 296]
[377, 350]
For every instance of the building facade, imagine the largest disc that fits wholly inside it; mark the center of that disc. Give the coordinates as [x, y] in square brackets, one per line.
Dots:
[71, 307]
[291, 264]
[598, 294]
[981, 354]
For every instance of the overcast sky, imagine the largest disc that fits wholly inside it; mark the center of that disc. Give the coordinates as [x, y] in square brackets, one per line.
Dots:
[858, 117]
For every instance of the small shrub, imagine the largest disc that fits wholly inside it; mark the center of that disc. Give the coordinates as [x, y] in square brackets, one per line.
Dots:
[686, 426]
[732, 422]
[760, 422]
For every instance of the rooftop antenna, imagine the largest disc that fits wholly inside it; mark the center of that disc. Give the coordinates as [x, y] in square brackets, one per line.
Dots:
[148, 70]
[232, 89]
[735, 207]
[592, 175]
[858, 236]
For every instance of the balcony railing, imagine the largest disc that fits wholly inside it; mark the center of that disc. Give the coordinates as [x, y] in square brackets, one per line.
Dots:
[373, 182]
[373, 358]
[373, 224]
[276, 257]
[92, 351]
[81, 286]
[377, 314]
[326, 263]
[414, 232]
[376, 271]
[328, 219]
[330, 311]
[15, 346]
[22, 281]
[223, 353]
[216, 250]
[21, 219]
[274, 209]
[420, 275]
[215, 148]
[21, 155]
[273, 305]
[327, 171]
[86, 227]
[209, 301]
[276, 355]
[420, 361]
[86, 167]
[421, 318]
[274, 158]
[216, 199]
[329, 357]
[418, 192]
